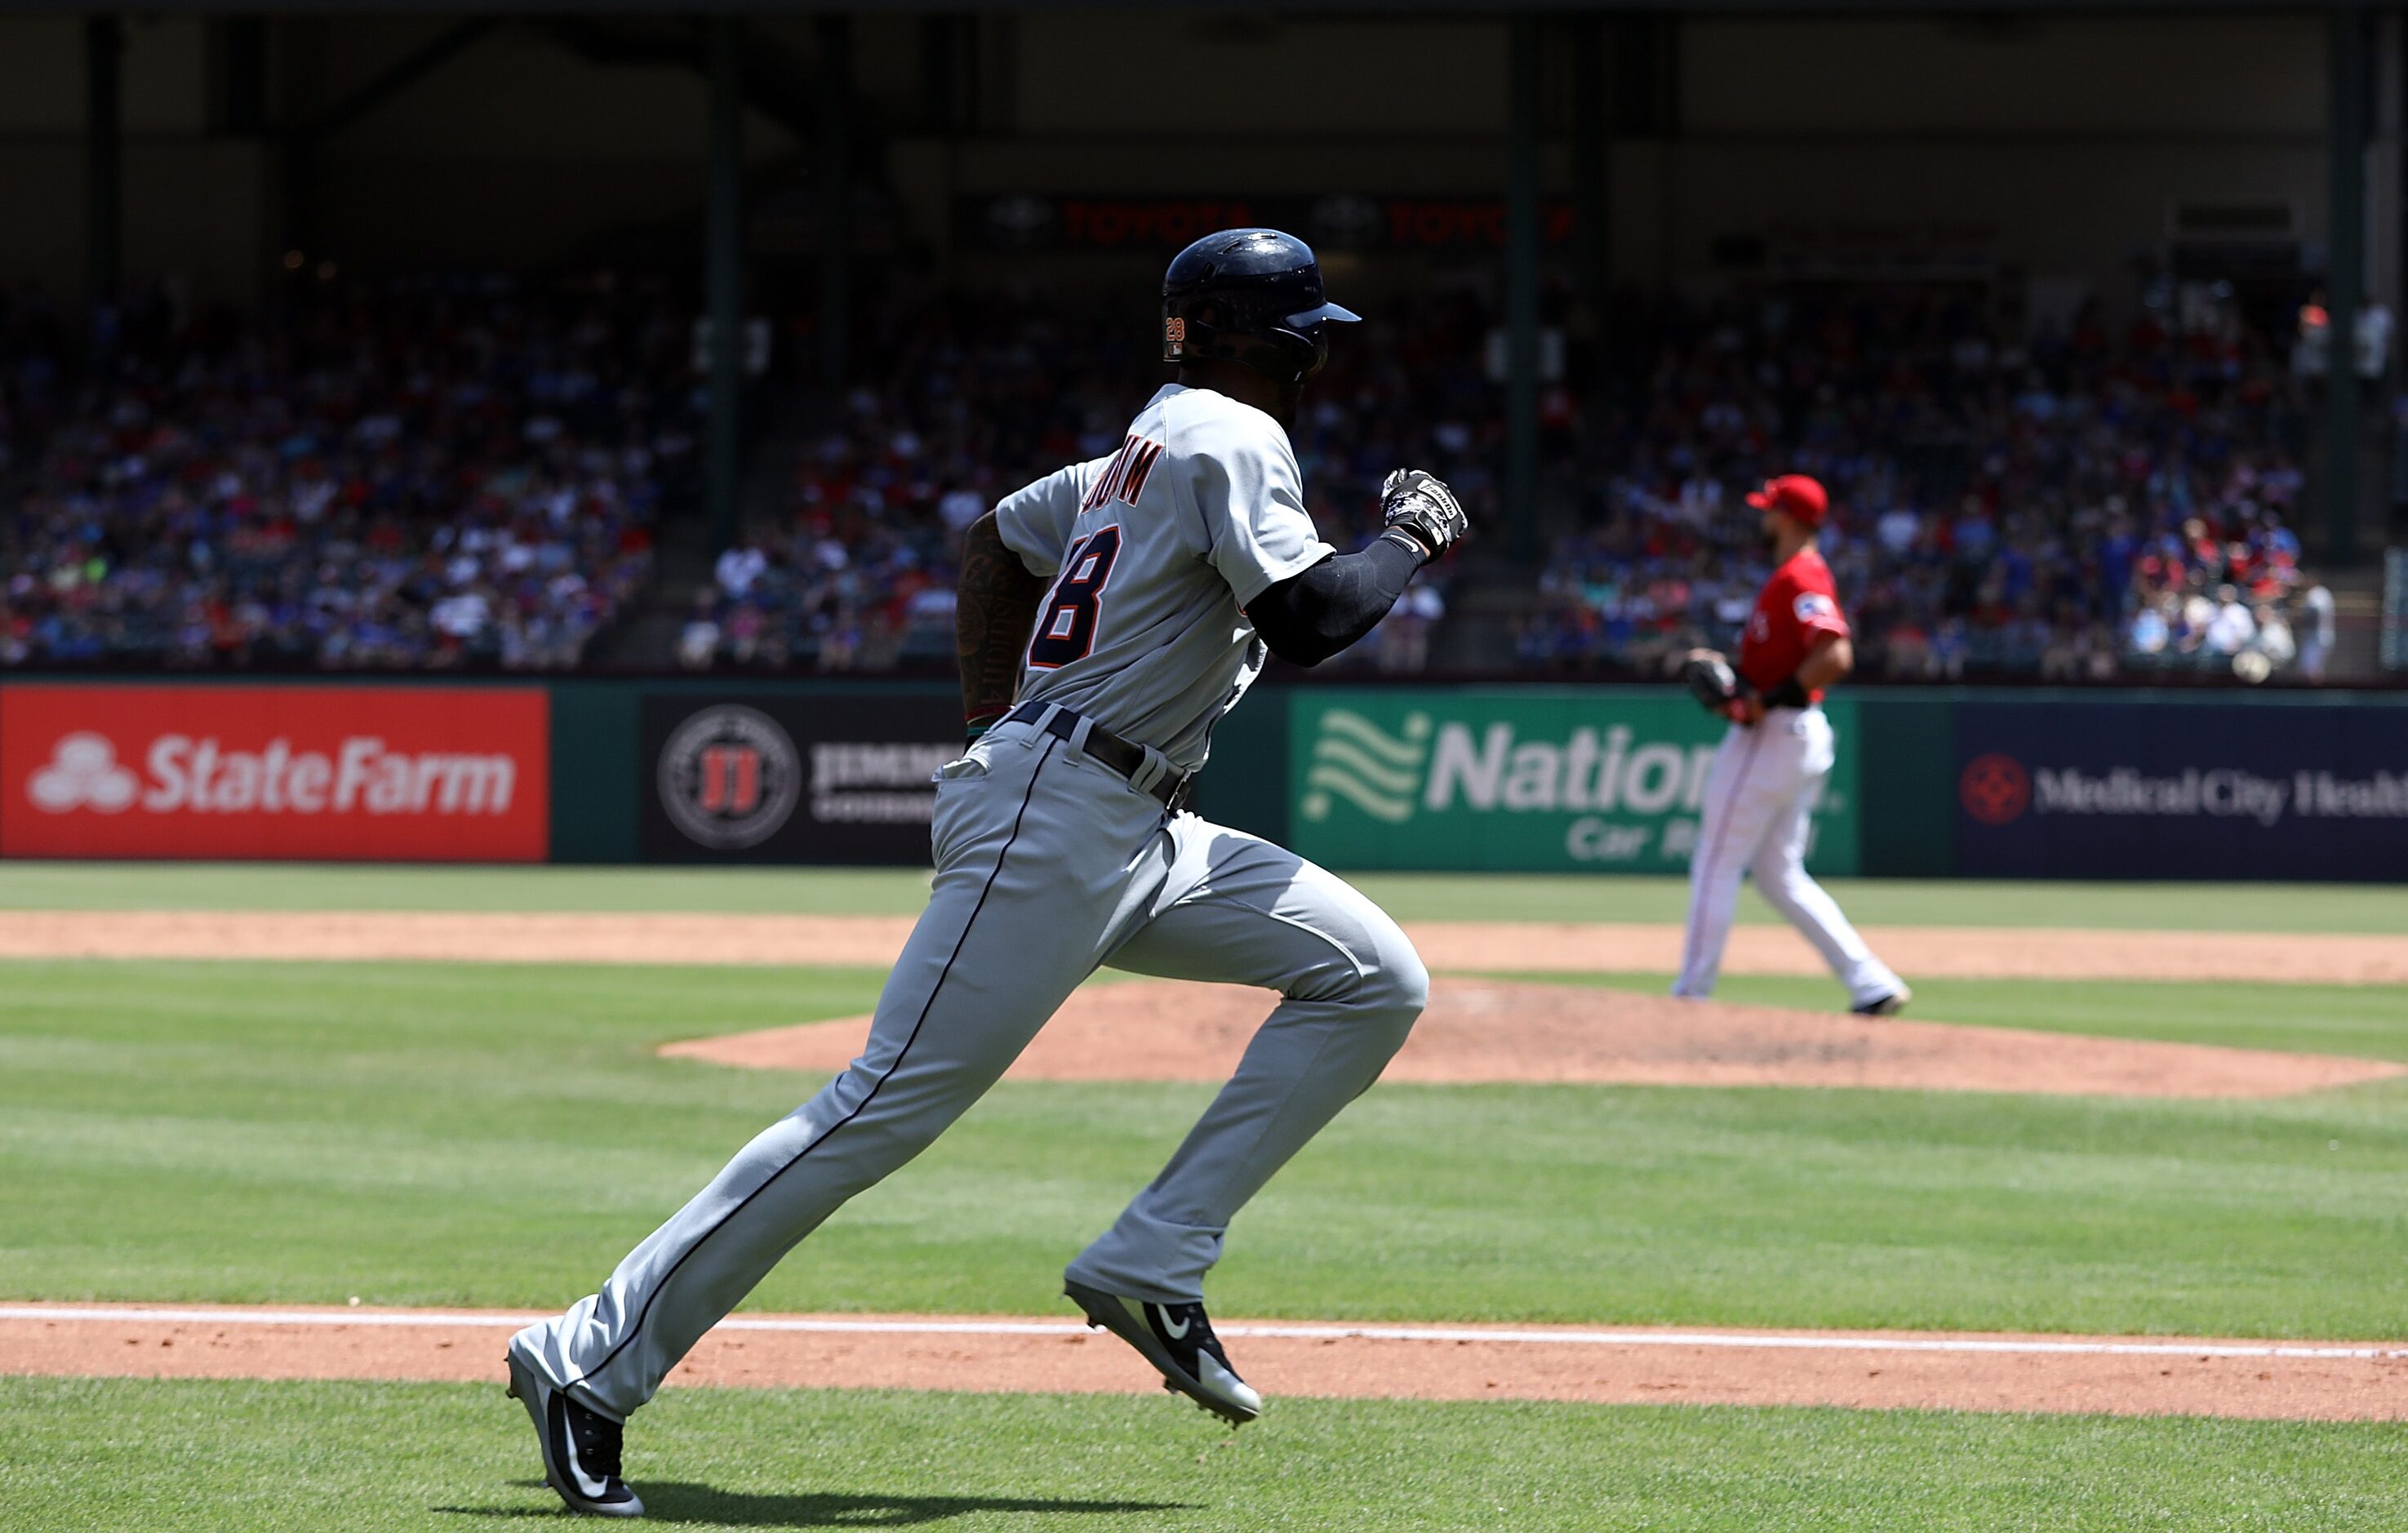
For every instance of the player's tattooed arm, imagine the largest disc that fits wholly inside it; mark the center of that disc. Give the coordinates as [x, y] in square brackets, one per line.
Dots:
[995, 609]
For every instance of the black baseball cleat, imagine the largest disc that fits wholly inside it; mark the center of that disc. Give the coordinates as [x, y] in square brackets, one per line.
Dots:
[1884, 1006]
[581, 1447]
[1178, 1339]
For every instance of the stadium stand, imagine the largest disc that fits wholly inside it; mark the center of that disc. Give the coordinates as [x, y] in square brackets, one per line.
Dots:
[856, 570]
[415, 476]
[2075, 507]
[471, 472]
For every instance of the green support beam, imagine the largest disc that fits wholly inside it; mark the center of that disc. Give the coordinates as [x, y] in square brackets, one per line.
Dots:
[725, 277]
[835, 173]
[104, 41]
[2344, 281]
[1592, 172]
[1522, 292]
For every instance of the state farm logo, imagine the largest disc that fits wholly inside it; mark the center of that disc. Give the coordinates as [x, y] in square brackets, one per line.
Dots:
[185, 774]
[729, 776]
[83, 772]
[1995, 789]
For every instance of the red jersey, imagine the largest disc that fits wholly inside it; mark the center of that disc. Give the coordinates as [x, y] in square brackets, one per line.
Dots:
[1796, 607]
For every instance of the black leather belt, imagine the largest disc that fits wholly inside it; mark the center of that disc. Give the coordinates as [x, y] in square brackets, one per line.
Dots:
[1109, 749]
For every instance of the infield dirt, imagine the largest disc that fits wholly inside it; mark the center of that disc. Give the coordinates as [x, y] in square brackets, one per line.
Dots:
[1493, 947]
[1871, 1370]
[1481, 1031]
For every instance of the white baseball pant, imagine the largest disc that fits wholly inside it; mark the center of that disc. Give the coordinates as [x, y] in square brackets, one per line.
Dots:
[1760, 798]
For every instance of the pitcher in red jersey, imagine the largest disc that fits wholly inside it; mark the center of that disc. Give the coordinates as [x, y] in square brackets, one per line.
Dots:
[1771, 768]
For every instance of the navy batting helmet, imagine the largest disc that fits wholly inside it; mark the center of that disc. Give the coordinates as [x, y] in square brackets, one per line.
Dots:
[1249, 295]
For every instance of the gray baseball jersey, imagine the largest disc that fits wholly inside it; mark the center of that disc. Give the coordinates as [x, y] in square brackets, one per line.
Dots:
[1049, 864]
[1155, 550]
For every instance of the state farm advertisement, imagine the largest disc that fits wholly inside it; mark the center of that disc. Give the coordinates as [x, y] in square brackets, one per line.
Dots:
[379, 774]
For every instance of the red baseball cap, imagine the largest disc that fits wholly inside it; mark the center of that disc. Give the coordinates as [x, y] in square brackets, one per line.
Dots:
[1799, 494]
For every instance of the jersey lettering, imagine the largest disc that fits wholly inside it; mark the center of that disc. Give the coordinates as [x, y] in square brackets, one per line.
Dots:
[1123, 479]
[1145, 548]
[1066, 627]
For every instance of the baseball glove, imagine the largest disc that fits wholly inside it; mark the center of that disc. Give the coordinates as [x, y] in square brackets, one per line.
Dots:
[1710, 680]
[1423, 506]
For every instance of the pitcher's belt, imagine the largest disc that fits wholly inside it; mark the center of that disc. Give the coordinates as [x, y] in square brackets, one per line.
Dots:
[1101, 745]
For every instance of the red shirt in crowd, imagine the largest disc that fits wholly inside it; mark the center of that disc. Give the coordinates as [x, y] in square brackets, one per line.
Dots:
[1797, 606]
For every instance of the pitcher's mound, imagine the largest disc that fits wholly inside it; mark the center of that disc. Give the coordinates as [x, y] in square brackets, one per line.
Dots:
[1487, 1031]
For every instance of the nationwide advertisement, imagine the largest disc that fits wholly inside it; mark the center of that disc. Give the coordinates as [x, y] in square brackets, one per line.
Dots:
[1593, 780]
[2078, 789]
[793, 778]
[403, 774]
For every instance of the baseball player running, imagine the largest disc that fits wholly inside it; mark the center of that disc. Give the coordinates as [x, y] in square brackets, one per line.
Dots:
[1769, 771]
[1109, 614]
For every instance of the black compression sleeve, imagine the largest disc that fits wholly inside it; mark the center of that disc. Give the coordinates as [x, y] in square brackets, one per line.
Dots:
[1306, 618]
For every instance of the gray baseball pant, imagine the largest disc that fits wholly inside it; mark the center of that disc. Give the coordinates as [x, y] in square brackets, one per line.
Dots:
[1048, 866]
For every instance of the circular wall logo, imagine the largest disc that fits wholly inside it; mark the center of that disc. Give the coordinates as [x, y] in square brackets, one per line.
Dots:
[729, 776]
[1995, 789]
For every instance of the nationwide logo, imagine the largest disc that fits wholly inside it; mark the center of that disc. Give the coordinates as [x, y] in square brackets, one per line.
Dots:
[729, 776]
[1377, 772]
[1555, 783]
[1391, 778]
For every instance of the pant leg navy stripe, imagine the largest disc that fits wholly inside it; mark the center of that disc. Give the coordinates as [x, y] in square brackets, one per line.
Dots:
[871, 1095]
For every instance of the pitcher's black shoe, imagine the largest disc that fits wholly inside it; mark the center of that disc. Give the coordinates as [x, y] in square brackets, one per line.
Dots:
[1178, 1339]
[581, 1447]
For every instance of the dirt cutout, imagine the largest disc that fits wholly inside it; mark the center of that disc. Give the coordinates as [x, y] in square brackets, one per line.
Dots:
[1479, 1031]
[1494, 947]
[1869, 1370]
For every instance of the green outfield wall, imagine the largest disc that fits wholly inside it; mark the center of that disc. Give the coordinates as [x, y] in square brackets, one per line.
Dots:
[1523, 778]
[1927, 782]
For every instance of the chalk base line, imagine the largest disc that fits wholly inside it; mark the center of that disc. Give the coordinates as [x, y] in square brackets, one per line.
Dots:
[2259, 1379]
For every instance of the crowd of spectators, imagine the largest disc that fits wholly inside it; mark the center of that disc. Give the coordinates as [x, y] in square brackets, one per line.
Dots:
[2072, 505]
[414, 475]
[469, 472]
[2199, 600]
[979, 393]
[2076, 504]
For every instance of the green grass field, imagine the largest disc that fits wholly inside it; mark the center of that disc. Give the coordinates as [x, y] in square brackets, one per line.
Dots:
[405, 1133]
[249, 1457]
[472, 1133]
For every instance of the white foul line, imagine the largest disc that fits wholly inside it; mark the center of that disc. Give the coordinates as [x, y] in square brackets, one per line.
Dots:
[817, 1327]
